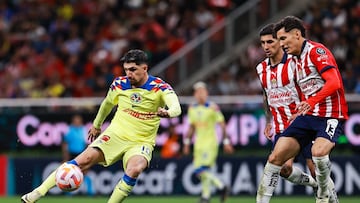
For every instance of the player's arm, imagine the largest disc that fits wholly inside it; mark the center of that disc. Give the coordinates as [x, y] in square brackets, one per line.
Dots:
[331, 85]
[221, 122]
[228, 148]
[173, 105]
[268, 117]
[187, 139]
[104, 110]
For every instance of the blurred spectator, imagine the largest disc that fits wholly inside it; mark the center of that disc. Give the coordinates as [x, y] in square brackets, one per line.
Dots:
[172, 146]
[80, 41]
[74, 142]
[68, 45]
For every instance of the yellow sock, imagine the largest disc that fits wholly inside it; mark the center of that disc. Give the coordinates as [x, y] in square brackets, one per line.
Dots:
[205, 185]
[48, 183]
[120, 192]
[214, 180]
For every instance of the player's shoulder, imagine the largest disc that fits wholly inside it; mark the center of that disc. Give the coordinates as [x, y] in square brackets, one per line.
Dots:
[120, 83]
[317, 48]
[214, 106]
[260, 67]
[156, 83]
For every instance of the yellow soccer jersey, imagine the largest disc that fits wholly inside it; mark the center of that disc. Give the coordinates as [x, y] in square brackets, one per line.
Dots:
[204, 118]
[135, 118]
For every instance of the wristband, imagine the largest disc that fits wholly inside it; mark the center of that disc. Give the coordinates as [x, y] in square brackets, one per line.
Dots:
[187, 141]
[226, 141]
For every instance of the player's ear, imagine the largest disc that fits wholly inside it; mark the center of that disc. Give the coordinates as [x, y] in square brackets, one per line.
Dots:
[145, 67]
[298, 33]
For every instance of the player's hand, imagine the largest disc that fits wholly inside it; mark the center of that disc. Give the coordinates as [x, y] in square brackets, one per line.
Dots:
[303, 108]
[162, 113]
[186, 149]
[268, 131]
[93, 133]
[228, 149]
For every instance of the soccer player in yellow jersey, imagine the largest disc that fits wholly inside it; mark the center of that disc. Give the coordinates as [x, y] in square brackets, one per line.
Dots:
[203, 118]
[141, 100]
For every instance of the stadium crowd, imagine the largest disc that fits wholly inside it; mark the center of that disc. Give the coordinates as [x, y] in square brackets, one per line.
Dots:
[70, 48]
[335, 23]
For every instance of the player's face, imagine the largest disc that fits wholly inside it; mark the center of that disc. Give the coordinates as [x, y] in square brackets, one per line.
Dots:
[137, 74]
[201, 95]
[270, 45]
[290, 41]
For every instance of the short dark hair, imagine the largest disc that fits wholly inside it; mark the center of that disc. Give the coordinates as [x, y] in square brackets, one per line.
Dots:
[289, 23]
[136, 56]
[267, 30]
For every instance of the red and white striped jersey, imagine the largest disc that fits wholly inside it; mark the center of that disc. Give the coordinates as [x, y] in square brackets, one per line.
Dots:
[281, 90]
[315, 58]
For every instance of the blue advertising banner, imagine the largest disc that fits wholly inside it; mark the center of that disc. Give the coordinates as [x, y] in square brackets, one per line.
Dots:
[175, 177]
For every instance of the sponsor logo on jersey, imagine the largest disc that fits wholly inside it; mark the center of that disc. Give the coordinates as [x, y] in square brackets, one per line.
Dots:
[140, 115]
[320, 51]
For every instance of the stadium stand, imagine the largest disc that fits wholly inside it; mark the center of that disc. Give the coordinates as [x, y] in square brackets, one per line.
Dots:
[70, 48]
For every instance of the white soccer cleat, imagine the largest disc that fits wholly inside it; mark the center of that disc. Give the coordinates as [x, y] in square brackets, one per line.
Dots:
[322, 200]
[31, 197]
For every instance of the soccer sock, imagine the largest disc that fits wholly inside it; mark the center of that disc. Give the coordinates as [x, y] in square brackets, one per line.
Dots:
[122, 189]
[268, 183]
[299, 177]
[48, 183]
[322, 172]
[213, 179]
[73, 162]
[205, 185]
[332, 191]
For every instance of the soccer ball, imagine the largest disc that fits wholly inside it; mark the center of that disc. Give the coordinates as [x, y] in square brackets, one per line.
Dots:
[68, 177]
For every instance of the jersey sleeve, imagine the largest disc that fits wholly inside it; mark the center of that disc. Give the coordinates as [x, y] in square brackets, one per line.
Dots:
[190, 114]
[172, 102]
[322, 58]
[219, 115]
[105, 108]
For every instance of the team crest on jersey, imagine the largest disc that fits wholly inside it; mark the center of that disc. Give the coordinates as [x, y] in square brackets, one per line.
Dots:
[274, 83]
[135, 98]
[320, 51]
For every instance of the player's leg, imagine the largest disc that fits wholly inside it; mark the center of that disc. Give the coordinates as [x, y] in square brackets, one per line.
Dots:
[285, 148]
[321, 150]
[328, 131]
[296, 175]
[333, 198]
[135, 161]
[204, 159]
[85, 160]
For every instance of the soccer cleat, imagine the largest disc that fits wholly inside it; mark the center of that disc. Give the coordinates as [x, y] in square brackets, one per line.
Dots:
[224, 194]
[322, 199]
[31, 197]
[204, 200]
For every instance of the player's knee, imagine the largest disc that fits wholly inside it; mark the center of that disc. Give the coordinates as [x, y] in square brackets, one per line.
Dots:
[275, 159]
[135, 170]
[286, 171]
[319, 152]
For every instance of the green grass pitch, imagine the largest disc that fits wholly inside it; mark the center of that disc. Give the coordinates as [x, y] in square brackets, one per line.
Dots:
[174, 199]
